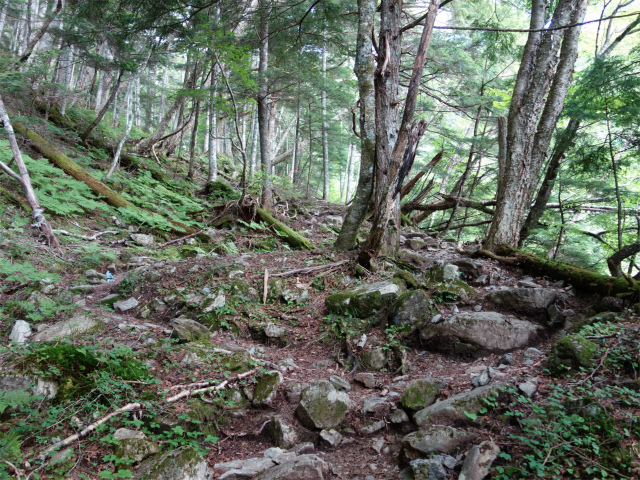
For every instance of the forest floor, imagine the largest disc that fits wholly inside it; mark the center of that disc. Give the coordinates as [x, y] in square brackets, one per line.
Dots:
[314, 350]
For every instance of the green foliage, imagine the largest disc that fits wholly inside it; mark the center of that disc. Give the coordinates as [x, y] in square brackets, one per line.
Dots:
[23, 273]
[14, 399]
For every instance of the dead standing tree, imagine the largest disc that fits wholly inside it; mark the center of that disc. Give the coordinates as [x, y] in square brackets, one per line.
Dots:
[39, 220]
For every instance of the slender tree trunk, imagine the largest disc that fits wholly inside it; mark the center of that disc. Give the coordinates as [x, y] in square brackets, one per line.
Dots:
[3, 17]
[45, 26]
[67, 79]
[264, 108]
[104, 109]
[352, 149]
[194, 138]
[39, 220]
[541, 88]
[325, 133]
[163, 94]
[364, 69]
[344, 185]
[129, 123]
[254, 145]
[213, 132]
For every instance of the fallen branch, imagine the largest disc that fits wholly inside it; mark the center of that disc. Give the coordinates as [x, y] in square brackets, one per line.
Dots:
[301, 271]
[265, 286]
[69, 440]
[221, 386]
[86, 237]
[505, 260]
[288, 234]
[179, 239]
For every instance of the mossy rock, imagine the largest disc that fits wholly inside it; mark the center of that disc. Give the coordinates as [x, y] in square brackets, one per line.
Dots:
[191, 251]
[322, 406]
[409, 278]
[571, 352]
[221, 191]
[181, 463]
[450, 291]
[204, 416]
[275, 288]
[411, 310]
[374, 358]
[266, 389]
[364, 300]
[420, 393]
[237, 362]
[244, 291]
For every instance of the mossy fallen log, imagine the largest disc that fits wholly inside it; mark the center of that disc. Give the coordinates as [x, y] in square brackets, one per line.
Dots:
[288, 234]
[15, 198]
[581, 278]
[76, 171]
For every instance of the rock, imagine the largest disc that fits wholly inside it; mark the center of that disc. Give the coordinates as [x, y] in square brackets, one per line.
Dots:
[266, 389]
[416, 243]
[571, 352]
[183, 463]
[62, 457]
[398, 416]
[481, 380]
[187, 330]
[39, 387]
[556, 318]
[333, 221]
[362, 301]
[378, 445]
[274, 332]
[322, 406]
[525, 300]
[368, 380]
[452, 410]
[340, 383]
[291, 295]
[307, 467]
[141, 239]
[506, 359]
[125, 305]
[490, 330]
[428, 468]
[245, 292]
[453, 291]
[412, 309]
[275, 288]
[420, 393]
[78, 324]
[246, 468]
[133, 445]
[282, 434]
[478, 462]
[409, 278]
[375, 358]
[373, 428]
[443, 272]
[532, 353]
[293, 391]
[211, 302]
[238, 362]
[435, 439]
[528, 388]
[287, 365]
[20, 332]
[375, 406]
[332, 437]
[303, 448]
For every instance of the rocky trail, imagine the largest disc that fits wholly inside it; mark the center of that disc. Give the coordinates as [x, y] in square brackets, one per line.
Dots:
[332, 372]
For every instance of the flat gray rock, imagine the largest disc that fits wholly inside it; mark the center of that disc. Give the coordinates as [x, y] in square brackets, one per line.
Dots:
[525, 300]
[436, 439]
[307, 467]
[125, 305]
[142, 239]
[78, 324]
[183, 463]
[478, 462]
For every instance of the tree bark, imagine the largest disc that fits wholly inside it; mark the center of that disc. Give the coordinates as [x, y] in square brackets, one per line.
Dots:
[103, 111]
[539, 93]
[37, 212]
[325, 128]
[265, 109]
[614, 261]
[364, 69]
[45, 26]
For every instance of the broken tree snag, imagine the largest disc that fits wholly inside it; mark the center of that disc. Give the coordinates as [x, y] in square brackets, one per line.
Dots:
[412, 183]
[288, 234]
[37, 212]
[583, 279]
[76, 171]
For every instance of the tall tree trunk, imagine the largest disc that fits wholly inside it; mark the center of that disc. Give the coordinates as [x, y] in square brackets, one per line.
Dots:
[352, 162]
[39, 220]
[192, 145]
[128, 124]
[3, 17]
[213, 131]
[295, 160]
[325, 133]
[364, 68]
[104, 109]
[345, 181]
[254, 145]
[395, 147]
[67, 79]
[264, 108]
[45, 26]
[532, 118]
[163, 94]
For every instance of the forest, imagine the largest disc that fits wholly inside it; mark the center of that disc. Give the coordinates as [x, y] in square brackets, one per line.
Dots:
[287, 239]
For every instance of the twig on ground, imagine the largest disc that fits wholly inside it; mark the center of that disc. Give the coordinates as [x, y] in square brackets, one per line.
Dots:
[315, 268]
[178, 239]
[15, 469]
[221, 386]
[86, 237]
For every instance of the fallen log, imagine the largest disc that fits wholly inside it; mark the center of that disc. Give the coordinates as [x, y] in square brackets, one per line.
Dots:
[288, 234]
[76, 171]
[581, 278]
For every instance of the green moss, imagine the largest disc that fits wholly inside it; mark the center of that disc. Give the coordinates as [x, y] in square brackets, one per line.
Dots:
[571, 352]
[221, 191]
[265, 388]
[363, 302]
[450, 292]
[237, 362]
[420, 394]
[408, 277]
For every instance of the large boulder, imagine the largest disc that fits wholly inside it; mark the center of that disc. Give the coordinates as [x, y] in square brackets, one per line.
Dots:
[307, 467]
[456, 409]
[412, 309]
[364, 300]
[571, 352]
[78, 324]
[282, 434]
[322, 406]
[32, 384]
[184, 463]
[420, 393]
[525, 300]
[478, 462]
[266, 389]
[435, 439]
[490, 330]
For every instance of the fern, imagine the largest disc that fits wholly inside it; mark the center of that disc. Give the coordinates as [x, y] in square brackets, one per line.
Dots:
[14, 399]
[23, 272]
